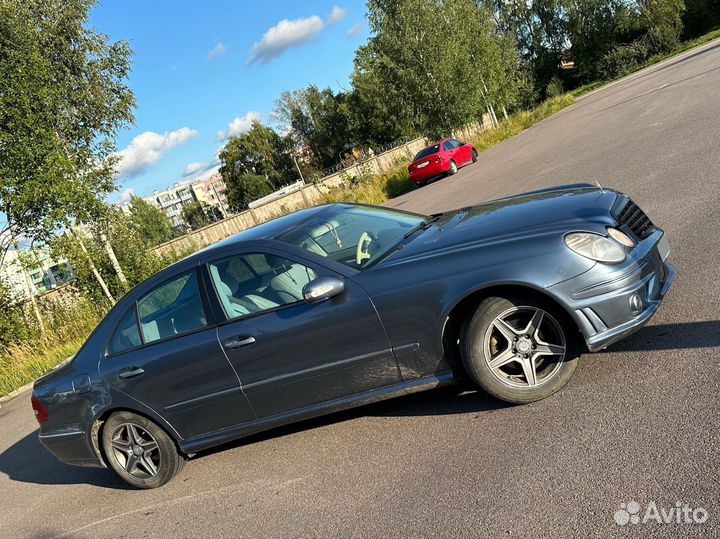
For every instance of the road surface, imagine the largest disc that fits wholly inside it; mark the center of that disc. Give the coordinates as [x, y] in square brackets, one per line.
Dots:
[637, 422]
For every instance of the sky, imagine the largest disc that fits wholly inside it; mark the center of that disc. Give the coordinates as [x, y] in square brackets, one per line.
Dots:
[204, 71]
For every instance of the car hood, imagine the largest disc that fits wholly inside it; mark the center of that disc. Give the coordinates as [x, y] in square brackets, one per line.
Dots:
[556, 210]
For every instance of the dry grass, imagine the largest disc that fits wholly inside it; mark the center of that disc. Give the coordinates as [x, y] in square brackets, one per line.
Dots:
[23, 362]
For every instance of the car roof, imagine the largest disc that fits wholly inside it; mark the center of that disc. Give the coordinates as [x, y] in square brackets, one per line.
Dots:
[436, 143]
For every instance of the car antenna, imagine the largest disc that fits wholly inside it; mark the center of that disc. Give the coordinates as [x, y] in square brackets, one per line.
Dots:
[600, 186]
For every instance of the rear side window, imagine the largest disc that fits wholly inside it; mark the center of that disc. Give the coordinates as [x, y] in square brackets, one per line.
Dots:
[448, 145]
[127, 335]
[278, 281]
[173, 308]
[427, 151]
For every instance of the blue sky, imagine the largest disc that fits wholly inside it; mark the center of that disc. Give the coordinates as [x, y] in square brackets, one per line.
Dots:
[203, 70]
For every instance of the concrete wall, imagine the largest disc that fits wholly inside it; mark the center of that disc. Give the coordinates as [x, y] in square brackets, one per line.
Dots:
[303, 198]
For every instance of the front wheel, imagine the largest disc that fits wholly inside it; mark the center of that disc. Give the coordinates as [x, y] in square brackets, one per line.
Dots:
[474, 155]
[519, 350]
[139, 451]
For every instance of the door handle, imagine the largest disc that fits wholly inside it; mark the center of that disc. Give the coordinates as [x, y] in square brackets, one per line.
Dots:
[238, 342]
[130, 372]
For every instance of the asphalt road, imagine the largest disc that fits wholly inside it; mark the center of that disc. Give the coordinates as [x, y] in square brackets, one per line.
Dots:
[637, 422]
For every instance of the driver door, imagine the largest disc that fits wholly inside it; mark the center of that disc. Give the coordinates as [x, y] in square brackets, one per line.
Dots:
[291, 355]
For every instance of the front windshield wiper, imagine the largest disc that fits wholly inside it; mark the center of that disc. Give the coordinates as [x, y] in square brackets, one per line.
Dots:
[423, 226]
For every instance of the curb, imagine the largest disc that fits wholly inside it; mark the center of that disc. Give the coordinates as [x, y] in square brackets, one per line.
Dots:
[24, 388]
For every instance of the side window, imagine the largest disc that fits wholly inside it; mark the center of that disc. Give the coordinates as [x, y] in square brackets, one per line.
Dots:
[173, 308]
[456, 143]
[127, 335]
[276, 281]
[448, 145]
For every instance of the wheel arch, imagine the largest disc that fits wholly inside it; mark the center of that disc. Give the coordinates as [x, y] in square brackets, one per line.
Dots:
[99, 423]
[465, 305]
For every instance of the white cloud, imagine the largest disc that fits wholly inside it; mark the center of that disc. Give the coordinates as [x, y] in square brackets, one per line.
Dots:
[202, 170]
[239, 125]
[192, 168]
[127, 194]
[291, 33]
[146, 149]
[337, 14]
[355, 30]
[216, 52]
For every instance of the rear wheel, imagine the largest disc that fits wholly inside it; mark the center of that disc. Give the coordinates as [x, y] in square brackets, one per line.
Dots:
[519, 350]
[453, 168]
[139, 451]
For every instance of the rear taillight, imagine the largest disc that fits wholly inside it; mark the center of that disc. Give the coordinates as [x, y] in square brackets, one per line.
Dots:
[437, 159]
[41, 413]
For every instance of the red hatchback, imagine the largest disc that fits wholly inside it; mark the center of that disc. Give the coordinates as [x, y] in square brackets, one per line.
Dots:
[444, 157]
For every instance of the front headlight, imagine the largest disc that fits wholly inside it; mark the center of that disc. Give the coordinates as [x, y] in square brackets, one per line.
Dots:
[595, 247]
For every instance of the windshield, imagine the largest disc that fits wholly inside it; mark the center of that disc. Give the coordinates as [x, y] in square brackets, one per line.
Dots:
[427, 151]
[355, 236]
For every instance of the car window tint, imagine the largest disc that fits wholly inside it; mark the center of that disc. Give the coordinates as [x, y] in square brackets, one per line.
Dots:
[172, 308]
[435, 148]
[456, 143]
[448, 145]
[127, 335]
[276, 281]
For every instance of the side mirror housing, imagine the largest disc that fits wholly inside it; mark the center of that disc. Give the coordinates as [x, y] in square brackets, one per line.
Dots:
[322, 288]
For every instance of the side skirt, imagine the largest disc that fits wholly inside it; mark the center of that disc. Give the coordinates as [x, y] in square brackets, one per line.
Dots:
[206, 441]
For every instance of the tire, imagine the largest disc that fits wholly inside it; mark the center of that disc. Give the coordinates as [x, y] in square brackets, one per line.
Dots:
[498, 332]
[123, 433]
[453, 168]
[474, 155]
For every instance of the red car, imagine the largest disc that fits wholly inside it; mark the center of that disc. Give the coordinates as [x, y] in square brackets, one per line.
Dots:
[444, 157]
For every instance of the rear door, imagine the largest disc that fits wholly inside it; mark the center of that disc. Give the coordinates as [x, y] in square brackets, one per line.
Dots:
[291, 355]
[165, 354]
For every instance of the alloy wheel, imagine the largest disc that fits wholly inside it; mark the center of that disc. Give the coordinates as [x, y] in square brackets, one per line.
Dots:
[136, 450]
[525, 347]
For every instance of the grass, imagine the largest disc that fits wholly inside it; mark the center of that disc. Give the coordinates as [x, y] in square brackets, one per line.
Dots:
[687, 45]
[21, 363]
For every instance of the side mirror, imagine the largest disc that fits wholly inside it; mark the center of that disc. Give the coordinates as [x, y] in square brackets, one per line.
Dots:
[322, 288]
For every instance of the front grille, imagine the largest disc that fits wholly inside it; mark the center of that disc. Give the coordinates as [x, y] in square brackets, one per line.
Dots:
[632, 217]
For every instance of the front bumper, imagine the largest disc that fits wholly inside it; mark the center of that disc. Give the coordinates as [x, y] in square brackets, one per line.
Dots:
[609, 302]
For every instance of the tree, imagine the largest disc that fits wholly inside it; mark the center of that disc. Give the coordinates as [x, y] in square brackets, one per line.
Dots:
[255, 164]
[595, 27]
[663, 20]
[149, 221]
[247, 189]
[133, 252]
[539, 31]
[198, 214]
[260, 151]
[63, 99]
[319, 119]
[437, 83]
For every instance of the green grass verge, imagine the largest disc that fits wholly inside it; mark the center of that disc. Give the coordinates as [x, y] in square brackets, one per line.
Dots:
[687, 45]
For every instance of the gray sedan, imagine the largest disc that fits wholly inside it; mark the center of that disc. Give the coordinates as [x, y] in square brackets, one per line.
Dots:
[341, 305]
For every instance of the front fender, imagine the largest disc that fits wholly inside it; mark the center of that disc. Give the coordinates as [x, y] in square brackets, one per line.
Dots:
[415, 297]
